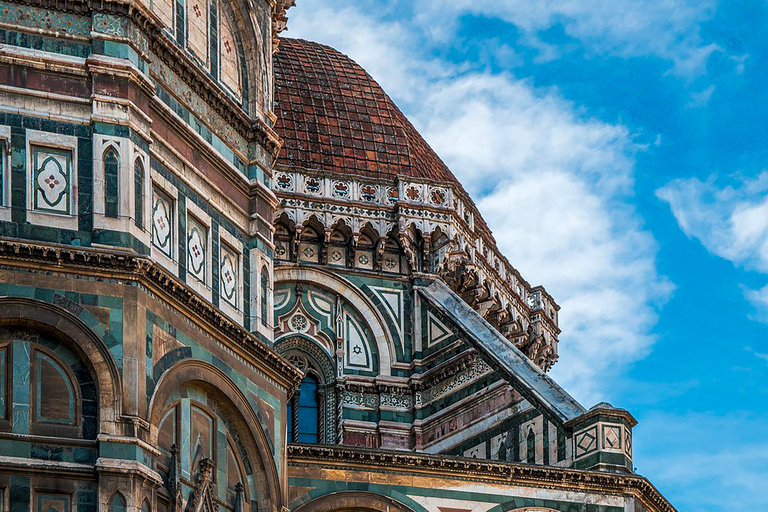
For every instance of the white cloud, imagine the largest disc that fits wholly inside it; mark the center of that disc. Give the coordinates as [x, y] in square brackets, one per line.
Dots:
[759, 301]
[554, 185]
[730, 221]
[556, 197]
[668, 29]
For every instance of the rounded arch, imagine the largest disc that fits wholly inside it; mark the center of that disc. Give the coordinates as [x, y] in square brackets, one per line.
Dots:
[210, 378]
[354, 501]
[20, 311]
[317, 354]
[319, 277]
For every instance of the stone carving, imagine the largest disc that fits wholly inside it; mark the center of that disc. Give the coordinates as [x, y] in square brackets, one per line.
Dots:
[476, 368]
[201, 499]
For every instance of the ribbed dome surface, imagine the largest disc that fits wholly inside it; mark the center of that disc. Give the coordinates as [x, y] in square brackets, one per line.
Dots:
[334, 117]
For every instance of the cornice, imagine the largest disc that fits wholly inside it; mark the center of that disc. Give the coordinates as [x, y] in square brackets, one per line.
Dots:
[137, 268]
[474, 469]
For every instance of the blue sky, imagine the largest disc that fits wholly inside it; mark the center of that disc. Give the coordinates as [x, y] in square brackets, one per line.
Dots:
[617, 148]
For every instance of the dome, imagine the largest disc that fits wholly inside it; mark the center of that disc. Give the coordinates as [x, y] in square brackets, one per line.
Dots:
[334, 117]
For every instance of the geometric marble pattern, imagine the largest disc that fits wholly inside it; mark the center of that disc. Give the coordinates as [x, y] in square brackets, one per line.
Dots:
[358, 355]
[436, 330]
[586, 441]
[392, 300]
[51, 178]
[197, 237]
[230, 266]
[162, 222]
[611, 437]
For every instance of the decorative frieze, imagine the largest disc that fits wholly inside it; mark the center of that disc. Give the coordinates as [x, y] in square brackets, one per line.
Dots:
[405, 463]
[476, 369]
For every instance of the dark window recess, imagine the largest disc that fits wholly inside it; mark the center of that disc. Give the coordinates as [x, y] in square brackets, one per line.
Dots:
[138, 194]
[111, 184]
[117, 504]
[530, 442]
[309, 412]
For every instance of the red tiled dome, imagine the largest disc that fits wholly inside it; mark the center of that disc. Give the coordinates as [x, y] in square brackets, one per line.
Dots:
[334, 117]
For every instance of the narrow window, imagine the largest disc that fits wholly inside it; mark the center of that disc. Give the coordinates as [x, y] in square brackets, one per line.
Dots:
[309, 411]
[3, 178]
[530, 442]
[3, 377]
[54, 393]
[111, 184]
[265, 296]
[138, 194]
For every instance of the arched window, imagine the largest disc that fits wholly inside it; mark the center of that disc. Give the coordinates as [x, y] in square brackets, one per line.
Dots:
[307, 408]
[265, 320]
[54, 393]
[282, 242]
[530, 441]
[138, 194]
[195, 428]
[111, 183]
[117, 503]
[146, 507]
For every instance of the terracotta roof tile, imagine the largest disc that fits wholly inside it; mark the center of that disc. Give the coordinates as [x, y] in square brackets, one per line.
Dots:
[334, 117]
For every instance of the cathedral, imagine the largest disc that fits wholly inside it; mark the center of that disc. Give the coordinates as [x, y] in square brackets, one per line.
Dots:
[235, 278]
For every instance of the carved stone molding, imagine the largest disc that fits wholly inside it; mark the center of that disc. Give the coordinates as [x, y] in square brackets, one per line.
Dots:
[136, 268]
[478, 470]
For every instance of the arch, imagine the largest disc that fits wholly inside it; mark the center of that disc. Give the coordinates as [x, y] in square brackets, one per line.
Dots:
[319, 277]
[209, 377]
[25, 312]
[314, 358]
[353, 501]
[318, 355]
[117, 502]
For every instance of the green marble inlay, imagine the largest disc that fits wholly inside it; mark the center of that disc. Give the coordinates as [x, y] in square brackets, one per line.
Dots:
[44, 19]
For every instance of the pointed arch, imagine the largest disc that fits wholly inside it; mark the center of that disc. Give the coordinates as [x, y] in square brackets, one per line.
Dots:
[111, 162]
[117, 502]
[385, 345]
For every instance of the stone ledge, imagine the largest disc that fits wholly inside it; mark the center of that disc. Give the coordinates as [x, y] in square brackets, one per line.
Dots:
[134, 267]
[474, 469]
